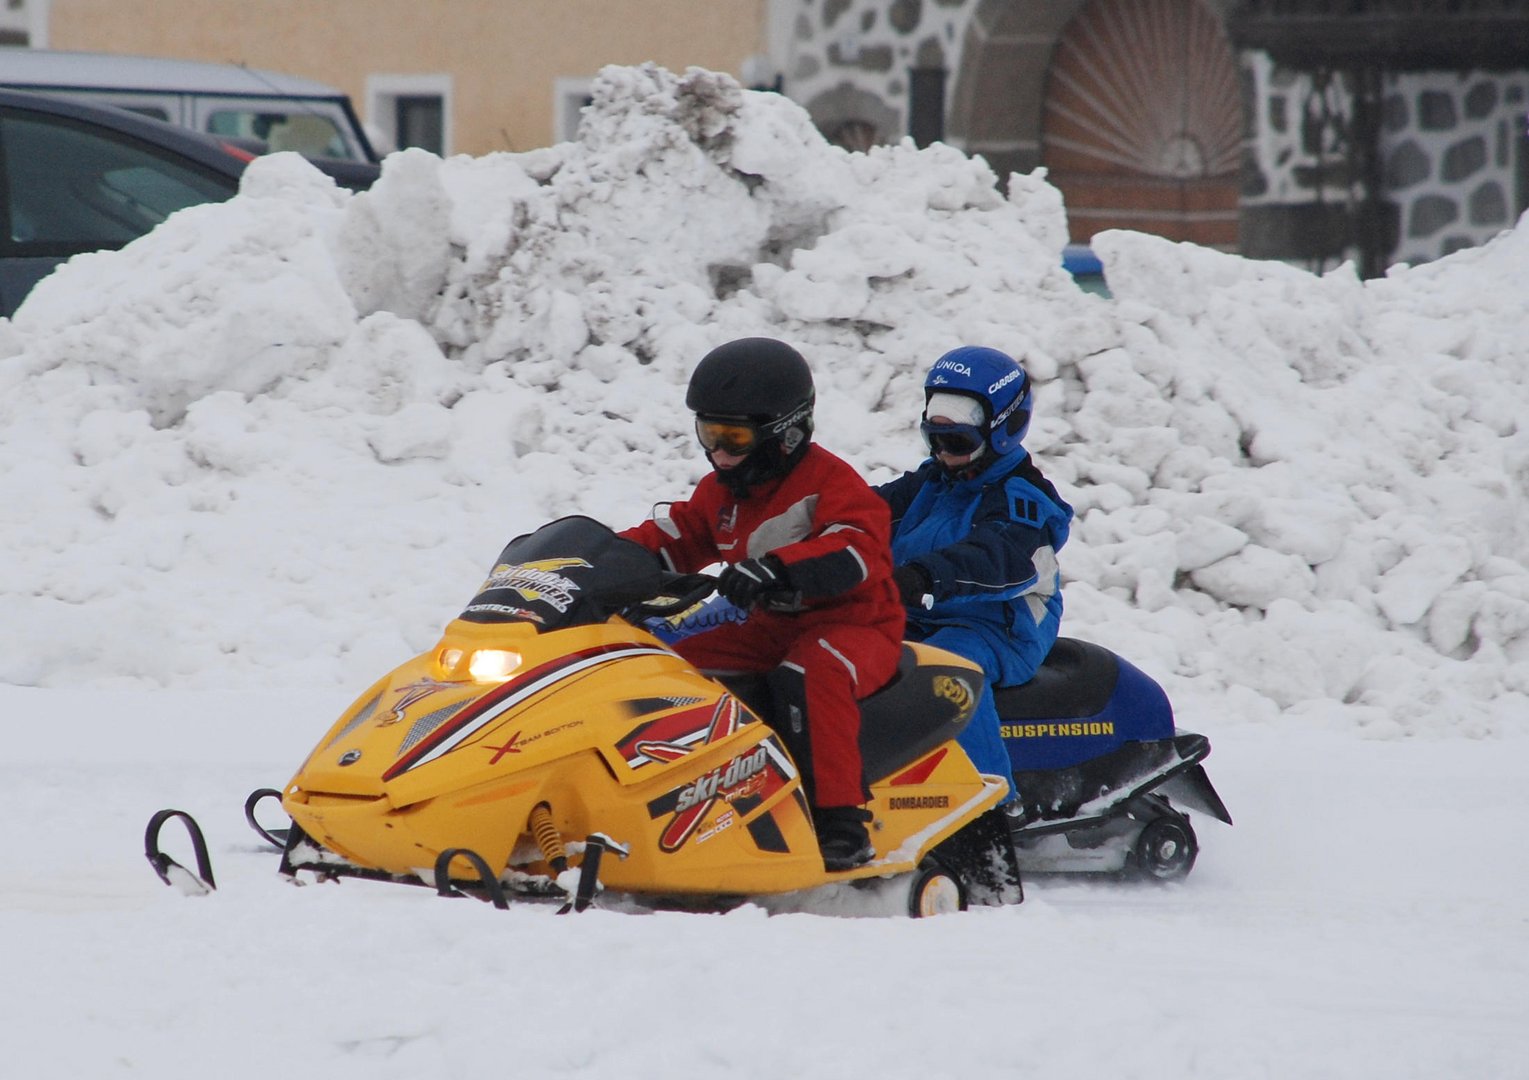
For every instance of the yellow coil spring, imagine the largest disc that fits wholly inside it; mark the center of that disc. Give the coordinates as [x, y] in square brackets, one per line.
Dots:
[548, 838]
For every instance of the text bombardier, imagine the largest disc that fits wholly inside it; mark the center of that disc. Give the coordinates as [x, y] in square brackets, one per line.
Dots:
[1042, 731]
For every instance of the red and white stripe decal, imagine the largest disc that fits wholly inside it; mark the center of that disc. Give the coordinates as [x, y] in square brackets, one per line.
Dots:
[725, 720]
[502, 699]
[726, 717]
[658, 750]
[683, 825]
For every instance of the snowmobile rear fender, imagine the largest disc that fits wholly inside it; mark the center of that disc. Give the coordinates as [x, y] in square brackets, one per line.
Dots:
[1192, 788]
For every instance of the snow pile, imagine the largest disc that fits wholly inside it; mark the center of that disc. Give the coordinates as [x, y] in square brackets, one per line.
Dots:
[276, 441]
[1329, 475]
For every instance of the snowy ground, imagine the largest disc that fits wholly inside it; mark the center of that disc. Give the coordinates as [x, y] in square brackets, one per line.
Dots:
[1364, 918]
[260, 456]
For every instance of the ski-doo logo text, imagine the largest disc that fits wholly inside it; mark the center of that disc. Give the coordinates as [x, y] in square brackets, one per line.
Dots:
[537, 581]
[722, 782]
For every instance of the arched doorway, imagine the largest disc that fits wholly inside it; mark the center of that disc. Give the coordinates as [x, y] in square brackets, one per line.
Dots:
[1141, 122]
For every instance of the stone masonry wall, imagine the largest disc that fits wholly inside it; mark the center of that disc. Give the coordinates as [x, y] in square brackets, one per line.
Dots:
[1453, 146]
[850, 59]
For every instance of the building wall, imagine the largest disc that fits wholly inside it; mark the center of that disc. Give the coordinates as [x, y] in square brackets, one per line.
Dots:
[1456, 156]
[501, 59]
[15, 22]
[849, 60]
[1131, 104]
[1456, 159]
[1454, 150]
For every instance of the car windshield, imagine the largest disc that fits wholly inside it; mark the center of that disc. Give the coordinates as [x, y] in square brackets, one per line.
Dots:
[304, 128]
[571, 572]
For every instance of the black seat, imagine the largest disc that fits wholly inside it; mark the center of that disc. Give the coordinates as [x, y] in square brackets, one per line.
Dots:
[918, 710]
[1076, 680]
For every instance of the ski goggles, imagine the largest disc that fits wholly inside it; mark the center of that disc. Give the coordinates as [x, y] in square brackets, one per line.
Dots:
[957, 440]
[732, 435]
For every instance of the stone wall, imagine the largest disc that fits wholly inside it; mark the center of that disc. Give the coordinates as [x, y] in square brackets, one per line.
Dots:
[850, 60]
[1453, 147]
[1455, 152]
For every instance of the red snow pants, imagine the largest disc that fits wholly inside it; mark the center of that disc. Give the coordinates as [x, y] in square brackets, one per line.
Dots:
[839, 664]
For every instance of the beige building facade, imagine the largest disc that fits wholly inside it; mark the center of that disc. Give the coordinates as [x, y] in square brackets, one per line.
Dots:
[1164, 116]
[474, 76]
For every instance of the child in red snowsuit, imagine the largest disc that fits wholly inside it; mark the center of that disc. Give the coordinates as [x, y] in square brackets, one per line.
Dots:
[807, 543]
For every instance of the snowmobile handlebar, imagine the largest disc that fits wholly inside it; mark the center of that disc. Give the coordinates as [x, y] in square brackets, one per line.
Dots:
[680, 591]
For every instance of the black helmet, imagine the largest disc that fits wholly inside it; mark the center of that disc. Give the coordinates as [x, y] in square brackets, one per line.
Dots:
[754, 397]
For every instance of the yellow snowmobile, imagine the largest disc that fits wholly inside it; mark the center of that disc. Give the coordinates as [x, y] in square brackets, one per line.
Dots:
[551, 745]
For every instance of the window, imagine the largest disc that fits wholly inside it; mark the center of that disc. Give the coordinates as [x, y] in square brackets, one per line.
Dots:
[306, 133]
[13, 22]
[409, 110]
[569, 98]
[419, 120]
[69, 189]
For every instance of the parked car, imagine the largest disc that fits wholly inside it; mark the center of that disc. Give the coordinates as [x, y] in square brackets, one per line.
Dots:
[77, 177]
[230, 100]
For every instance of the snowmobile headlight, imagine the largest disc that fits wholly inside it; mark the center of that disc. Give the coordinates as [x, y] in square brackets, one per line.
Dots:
[492, 665]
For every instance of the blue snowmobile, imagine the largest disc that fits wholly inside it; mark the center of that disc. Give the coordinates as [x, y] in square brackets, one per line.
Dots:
[1098, 764]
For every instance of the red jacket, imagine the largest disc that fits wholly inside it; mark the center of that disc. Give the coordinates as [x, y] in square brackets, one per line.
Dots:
[832, 532]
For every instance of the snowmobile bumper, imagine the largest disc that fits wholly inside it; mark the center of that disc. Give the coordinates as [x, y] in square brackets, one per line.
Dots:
[1192, 788]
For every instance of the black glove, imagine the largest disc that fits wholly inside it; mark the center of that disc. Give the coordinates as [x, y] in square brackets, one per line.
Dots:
[747, 582]
[914, 585]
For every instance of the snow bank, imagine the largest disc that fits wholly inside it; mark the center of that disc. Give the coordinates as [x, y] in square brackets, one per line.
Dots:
[275, 441]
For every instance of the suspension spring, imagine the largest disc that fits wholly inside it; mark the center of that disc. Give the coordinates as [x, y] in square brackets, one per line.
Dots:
[548, 838]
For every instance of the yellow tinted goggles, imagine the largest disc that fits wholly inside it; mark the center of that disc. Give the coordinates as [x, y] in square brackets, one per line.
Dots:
[735, 437]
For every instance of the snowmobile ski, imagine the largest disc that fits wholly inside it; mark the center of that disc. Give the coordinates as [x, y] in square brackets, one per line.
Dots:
[277, 838]
[172, 873]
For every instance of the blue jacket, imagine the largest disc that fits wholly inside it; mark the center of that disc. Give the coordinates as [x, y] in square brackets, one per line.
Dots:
[989, 546]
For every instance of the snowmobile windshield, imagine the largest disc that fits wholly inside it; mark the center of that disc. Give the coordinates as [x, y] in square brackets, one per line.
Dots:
[570, 572]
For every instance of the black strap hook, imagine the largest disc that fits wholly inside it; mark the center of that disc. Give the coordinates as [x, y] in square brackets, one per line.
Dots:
[198, 884]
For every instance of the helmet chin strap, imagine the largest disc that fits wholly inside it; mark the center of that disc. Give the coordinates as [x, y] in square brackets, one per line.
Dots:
[769, 461]
[737, 479]
[967, 469]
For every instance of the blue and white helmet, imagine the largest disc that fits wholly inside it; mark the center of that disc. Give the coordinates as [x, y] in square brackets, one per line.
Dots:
[997, 381]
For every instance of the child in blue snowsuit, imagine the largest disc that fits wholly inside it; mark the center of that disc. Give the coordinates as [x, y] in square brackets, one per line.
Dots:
[975, 532]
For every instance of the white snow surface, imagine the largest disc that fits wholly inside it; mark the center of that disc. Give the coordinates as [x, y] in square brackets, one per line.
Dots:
[264, 454]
